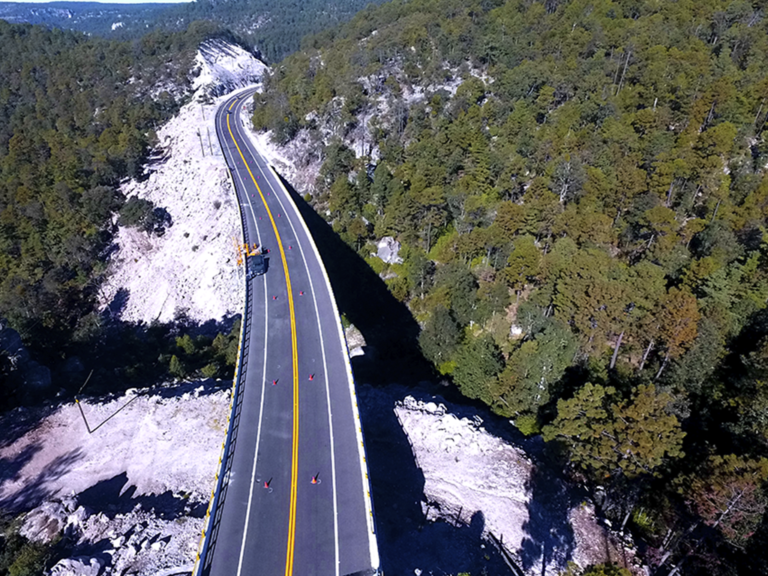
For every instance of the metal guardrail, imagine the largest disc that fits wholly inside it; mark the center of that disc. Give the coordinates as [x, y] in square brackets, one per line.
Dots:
[221, 474]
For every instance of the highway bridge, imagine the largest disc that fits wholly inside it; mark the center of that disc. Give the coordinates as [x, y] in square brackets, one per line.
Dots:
[292, 494]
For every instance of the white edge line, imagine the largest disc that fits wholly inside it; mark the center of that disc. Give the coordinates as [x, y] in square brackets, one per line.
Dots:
[374, 551]
[263, 372]
[325, 363]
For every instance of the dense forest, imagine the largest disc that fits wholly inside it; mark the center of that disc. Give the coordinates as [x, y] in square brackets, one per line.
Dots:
[272, 27]
[77, 115]
[580, 192]
[96, 18]
[72, 126]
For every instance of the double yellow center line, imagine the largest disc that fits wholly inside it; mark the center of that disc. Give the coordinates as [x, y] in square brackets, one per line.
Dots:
[294, 351]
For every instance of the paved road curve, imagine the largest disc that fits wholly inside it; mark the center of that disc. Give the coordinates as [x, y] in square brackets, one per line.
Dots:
[273, 520]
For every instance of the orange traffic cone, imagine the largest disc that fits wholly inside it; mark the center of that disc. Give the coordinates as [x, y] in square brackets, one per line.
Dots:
[316, 479]
[311, 377]
[267, 483]
[274, 382]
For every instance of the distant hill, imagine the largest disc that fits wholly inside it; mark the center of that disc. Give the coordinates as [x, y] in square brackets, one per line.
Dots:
[89, 17]
[273, 27]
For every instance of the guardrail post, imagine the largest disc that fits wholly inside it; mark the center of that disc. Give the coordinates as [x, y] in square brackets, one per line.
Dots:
[220, 475]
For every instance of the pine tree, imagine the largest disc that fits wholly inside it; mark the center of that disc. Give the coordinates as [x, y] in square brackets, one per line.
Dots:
[478, 361]
[524, 385]
[609, 436]
[522, 264]
[678, 323]
[729, 495]
[440, 337]
[176, 367]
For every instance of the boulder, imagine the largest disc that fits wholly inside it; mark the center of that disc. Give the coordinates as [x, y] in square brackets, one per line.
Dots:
[80, 566]
[45, 522]
[51, 518]
[388, 250]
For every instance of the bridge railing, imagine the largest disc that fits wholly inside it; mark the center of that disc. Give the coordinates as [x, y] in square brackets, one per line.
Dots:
[201, 559]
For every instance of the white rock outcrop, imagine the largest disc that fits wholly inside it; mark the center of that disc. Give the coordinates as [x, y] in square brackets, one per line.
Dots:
[52, 518]
[191, 270]
[222, 67]
[468, 470]
[159, 440]
[388, 250]
[78, 567]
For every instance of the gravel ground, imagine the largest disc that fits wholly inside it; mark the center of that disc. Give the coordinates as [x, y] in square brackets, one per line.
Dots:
[131, 494]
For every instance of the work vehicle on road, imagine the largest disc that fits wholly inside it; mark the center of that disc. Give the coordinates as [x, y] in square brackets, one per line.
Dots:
[257, 265]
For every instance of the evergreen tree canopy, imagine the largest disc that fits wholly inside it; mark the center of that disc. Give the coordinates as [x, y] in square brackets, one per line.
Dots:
[76, 116]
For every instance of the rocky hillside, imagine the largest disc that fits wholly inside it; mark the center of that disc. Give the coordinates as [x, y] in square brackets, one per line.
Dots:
[191, 269]
[222, 67]
[580, 192]
[76, 138]
[130, 495]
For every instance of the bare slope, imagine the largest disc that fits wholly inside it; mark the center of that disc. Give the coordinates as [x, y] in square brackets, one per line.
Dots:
[132, 494]
[192, 268]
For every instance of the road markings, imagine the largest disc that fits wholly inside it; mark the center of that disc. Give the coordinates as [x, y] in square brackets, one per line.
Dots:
[294, 350]
[249, 204]
[249, 144]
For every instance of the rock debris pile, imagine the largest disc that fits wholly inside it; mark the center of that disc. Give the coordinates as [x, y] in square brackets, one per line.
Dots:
[135, 542]
[130, 497]
[471, 473]
[190, 270]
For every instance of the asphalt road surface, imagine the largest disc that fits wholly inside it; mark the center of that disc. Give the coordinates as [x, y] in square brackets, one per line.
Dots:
[295, 499]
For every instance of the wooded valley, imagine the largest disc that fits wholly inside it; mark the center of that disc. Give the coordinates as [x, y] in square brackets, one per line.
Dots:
[77, 116]
[580, 191]
[579, 188]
